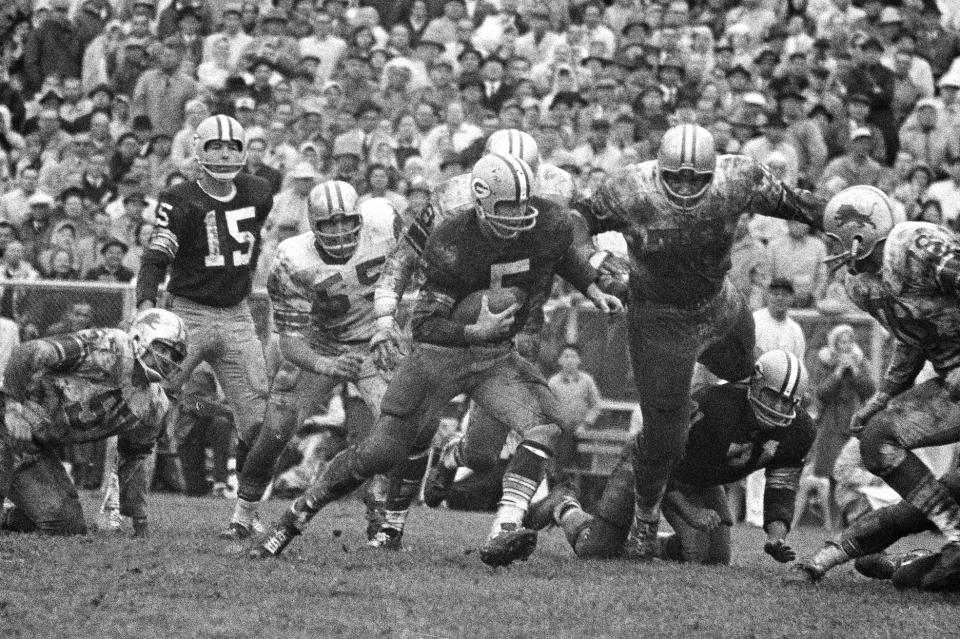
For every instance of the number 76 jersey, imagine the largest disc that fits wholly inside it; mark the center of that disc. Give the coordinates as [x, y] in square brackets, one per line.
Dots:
[326, 302]
[211, 245]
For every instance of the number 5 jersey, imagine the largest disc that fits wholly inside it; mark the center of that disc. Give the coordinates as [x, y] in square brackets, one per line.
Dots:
[210, 244]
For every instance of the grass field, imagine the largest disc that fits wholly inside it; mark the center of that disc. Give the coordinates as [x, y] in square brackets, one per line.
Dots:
[183, 582]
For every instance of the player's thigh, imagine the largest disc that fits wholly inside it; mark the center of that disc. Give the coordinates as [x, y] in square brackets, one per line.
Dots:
[730, 355]
[508, 395]
[920, 416]
[313, 393]
[664, 345]
[241, 371]
[373, 387]
[41, 488]
[484, 439]
[426, 375]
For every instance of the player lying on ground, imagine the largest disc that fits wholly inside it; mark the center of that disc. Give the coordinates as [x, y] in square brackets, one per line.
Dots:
[510, 240]
[907, 276]
[321, 289]
[678, 214]
[479, 450]
[738, 429]
[84, 387]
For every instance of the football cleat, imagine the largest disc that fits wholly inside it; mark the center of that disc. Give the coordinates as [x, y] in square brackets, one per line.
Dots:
[238, 531]
[439, 480]
[274, 543]
[642, 543]
[804, 572]
[110, 520]
[387, 538]
[883, 565]
[945, 574]
[543, 513]
[512, 543]
[910, 574]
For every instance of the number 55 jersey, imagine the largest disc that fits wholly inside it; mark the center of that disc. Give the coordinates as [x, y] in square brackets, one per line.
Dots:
[328, 302]
[211, 245]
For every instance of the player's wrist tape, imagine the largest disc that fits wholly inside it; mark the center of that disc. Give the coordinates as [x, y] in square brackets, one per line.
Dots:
[386, 323]
[597, 258]
[384, 304]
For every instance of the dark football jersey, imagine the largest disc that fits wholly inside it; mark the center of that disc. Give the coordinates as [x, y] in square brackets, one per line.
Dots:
[211, 246]
[459, 259]
[726, 444]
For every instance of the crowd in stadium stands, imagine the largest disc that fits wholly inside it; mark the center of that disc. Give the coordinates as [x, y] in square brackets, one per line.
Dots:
[99, 100]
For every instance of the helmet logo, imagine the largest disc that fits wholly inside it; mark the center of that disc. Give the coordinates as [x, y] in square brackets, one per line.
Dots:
[848, 214]
[481, 189]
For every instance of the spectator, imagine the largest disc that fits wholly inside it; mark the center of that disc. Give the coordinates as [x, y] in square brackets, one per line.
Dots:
[798, 258]
[231, 33]
[843, 383]
[53, 48]
[596, 151]
[62, 265]
[947, 192]
[869, 77]
[111, 269]
[161, 93]
[926, 137]
[89, 251]
[141, 239]
[856, 166]
[14, 204]
[749, 264]
[128, 149]
[14, 267]
[774, 140]
[36, 229]
[579, 401]
[256, 153]
[774, 328]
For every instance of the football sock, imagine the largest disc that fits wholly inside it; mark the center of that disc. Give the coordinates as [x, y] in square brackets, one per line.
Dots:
[244, 512]
[520, 483]
[914, 481]
[830, 555]
[395, 519]
[879, 529]
[573, 520]
[403, 488]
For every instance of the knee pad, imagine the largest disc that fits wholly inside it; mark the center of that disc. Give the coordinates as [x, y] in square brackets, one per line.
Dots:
[879, 447]
[543, 436]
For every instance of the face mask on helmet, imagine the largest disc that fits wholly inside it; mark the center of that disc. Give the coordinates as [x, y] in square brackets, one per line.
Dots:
[776, 388]
[161, 360]
[685, 185]
[501, 186]
[220, 147]
[857, 221]
[339, 235]
[686, 161]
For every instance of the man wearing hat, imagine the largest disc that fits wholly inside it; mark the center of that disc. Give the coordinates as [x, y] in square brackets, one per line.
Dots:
[53, 48]
[935, 43]
[947, 192]
[858, 116]
[537, 44]
[870, 78]
[15, 203]
[495, 90]
[273, 43]
[287, 218]
[162, 93]
[856, 166]
[774, 140]
[111, 269]
[805, 135]
[256, 154]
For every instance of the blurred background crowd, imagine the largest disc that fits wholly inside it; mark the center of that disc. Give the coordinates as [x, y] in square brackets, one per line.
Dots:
[99, 99]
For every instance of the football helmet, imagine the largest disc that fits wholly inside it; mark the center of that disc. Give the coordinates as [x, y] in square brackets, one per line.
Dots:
[159, 343]
[519, 144]
[336, 223]
[505, 179]
[686, 162]
[222, 164]
[856, 220]
[778, 384]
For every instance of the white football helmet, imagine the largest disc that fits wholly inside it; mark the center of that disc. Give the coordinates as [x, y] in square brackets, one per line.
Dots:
[516, 143]
[686, 162]
[778, 384]
[336, 223]
[222, 164]
[857, 219]
[159, 343]
[506, 179]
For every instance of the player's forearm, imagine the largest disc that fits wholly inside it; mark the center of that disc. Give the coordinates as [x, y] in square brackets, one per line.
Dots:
[298, 351]
[674, 498]
[431, 321]
[779, 495]
[153, 270]
[576, 269]
[26, 360]
[906, 362]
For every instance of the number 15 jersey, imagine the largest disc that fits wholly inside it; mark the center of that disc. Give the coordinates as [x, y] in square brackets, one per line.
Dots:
[211, 245]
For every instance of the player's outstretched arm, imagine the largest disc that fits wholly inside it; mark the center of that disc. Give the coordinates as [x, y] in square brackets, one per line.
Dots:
[32, 359]
[771, 197]
[779, 499]
[700, 518]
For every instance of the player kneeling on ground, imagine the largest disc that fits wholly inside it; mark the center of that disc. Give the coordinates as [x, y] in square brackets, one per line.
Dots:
[737, 429]
[509, 240]
[82, 387]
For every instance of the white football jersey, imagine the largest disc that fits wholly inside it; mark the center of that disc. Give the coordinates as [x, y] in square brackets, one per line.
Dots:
[329, 303]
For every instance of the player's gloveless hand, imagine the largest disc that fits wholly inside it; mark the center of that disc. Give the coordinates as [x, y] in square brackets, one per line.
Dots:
[347, 365]
[385, 345]
[871, 407]
[492, 326]
[779, 550]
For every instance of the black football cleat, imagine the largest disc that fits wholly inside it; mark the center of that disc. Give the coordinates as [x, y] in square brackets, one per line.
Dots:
[642, 543]
[387, 538]
[274, 543]
[882, 565]
[910, 574]
[945, 574]
[804, 573]
[512, 543]
[543, 513]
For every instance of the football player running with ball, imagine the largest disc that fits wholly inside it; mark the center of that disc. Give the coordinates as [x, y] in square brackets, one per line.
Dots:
[678, 214]
[84, 387]
[510, 240]
[321, 289]
[907, 276]
[479, 450]
[738, 429]
[207, 234]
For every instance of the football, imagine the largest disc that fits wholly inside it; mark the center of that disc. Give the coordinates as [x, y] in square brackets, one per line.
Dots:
[498, 299]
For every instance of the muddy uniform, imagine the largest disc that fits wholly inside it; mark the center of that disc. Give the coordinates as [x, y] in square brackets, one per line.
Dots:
[91, 389]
